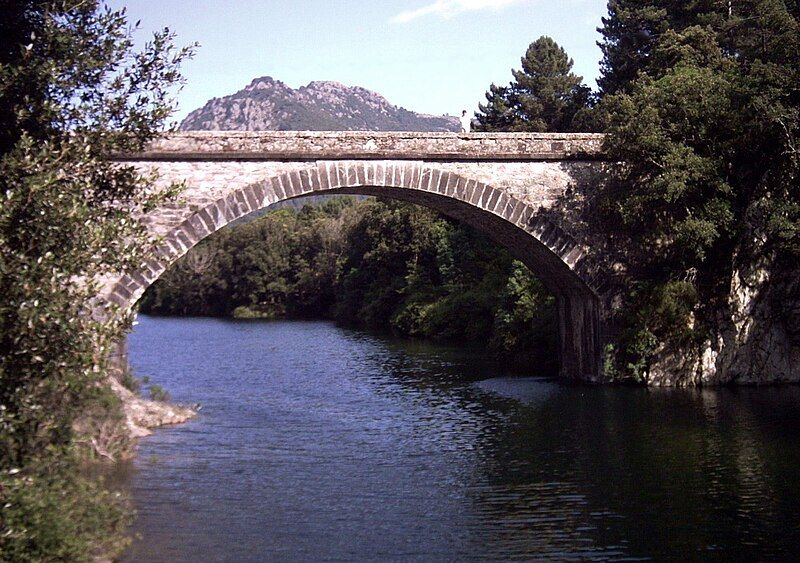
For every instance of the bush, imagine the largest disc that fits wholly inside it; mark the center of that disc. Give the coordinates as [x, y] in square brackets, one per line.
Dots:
[158, 393]
[129, 381]
[661, 317]
[244, 312]
[52, 512]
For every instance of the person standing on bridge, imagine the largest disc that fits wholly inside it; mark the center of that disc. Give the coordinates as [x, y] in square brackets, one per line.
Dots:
[466, 122]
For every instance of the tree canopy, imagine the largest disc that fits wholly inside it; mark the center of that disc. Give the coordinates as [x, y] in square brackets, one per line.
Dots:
[381, 265]
[702, 104]
[73, 91]
[543, 96]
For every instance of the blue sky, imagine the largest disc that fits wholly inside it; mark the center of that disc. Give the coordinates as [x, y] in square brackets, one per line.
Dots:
[431, 56]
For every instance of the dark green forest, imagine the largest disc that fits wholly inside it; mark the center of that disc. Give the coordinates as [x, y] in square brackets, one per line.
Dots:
[374, 264]
[700, 104]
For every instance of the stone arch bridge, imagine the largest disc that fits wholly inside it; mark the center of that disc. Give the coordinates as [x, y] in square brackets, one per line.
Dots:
[504, 184]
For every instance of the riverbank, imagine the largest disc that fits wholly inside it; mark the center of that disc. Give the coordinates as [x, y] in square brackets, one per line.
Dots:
[60, 505]
[143, 415]
[140, 415]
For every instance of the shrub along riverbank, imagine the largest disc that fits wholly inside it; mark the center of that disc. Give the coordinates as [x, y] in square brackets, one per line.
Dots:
[73, 92]
[374, 264]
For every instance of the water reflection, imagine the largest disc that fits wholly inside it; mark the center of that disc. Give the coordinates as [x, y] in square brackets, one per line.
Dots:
[321, 443]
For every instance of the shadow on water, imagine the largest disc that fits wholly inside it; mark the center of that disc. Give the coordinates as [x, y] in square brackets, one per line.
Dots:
[322, 443]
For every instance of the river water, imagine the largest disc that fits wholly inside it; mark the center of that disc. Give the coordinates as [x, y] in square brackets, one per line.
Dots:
[320, 443]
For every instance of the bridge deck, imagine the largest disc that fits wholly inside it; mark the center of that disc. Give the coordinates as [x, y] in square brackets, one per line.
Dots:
[369, 145]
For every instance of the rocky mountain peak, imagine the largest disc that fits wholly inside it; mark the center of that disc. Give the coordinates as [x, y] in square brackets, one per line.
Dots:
[263, 83]
[329, 85]
[267, 104]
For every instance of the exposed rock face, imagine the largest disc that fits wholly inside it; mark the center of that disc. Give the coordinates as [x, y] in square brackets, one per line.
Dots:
[142, 414]
[767, 329]
[757, 340]
[270, 105]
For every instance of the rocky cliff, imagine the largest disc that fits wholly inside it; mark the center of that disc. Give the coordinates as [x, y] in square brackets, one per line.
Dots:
[267, 104]
[756, 339]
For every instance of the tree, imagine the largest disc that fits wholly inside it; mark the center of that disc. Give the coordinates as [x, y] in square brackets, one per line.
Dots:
[376, 264]
[706, 119]
[633, 28]
[544, 95]
[628, 35]
[73, 92]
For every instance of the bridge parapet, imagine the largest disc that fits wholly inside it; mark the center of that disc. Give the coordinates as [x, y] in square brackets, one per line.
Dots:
[368, 145]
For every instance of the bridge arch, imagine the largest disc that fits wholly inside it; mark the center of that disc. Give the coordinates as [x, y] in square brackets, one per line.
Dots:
[561, 262]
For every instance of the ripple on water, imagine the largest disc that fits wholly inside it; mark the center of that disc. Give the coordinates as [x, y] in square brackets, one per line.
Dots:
[316, 442]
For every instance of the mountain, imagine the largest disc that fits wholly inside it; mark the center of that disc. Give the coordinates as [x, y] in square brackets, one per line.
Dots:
[267, 104]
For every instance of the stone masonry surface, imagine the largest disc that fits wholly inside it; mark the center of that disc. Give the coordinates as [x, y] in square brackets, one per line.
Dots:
[314, 145]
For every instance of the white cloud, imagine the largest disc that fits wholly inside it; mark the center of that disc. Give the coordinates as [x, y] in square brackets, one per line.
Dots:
[449, 8]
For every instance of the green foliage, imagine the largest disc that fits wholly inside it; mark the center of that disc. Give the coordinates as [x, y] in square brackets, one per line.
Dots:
[73, 92]
[544, 95]
[524, 325]
[100, 430]
[376, 264]
[678, 195]
[244, 312]
[628, 35]
[391, 255]
[659, 316]
[129, 381]
[280, 265]
[54, 513]
[158, 393]
[58, 231]
[702, 104]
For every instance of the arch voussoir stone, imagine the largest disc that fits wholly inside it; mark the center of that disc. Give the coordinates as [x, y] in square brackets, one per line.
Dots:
[199, 226]
[361, 173]
[270, 196]
[206, 220]
[502, 201]
[369, 172]
[224, 212]
[301, 182]
[277, 188]
[452, 186]
[514, 211]
[180, 233]
[393, 174]
[290, 187]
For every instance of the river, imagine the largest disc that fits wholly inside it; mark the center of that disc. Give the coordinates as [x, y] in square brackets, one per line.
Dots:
[320, 443]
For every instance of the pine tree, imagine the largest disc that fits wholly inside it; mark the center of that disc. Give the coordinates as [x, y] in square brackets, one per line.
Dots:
[633, 28]
[498, 113]
[544, 95]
